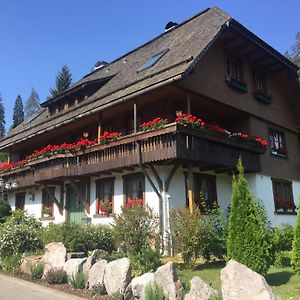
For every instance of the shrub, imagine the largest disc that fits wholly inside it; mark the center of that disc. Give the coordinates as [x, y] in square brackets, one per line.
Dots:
[11, 263]
[36, 271]
[77, 237]
[5, 210]
[282, 259]
[296, 246]
[78, 281]
[283, 237]
[147, 260]
[154, 292]
[19, 234]
[98, 290]
[187, 230]
[56, 276]
[248, 231]
[135, 228]
[217, 296]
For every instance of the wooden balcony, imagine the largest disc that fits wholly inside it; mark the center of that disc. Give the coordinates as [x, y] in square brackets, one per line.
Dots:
[174, 141]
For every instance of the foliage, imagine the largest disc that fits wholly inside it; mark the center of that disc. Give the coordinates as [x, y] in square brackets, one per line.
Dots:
[5, 210]
[78, 281]
[11, 263]
[156, 123]
[36, 271]
[113, 256]
[296, 246]
[187, 230]
[153, 291]
[77, 237]
[19, 234]
[135, 228]
[62, 82]
[56, 276]
[98, 289]
[2, 118]
[282, 259]
[217, 296]
[115, 296]
[32, 104]
[283, 237]
[294, 53]
[147, 260]
[18, 115]
[248, 232]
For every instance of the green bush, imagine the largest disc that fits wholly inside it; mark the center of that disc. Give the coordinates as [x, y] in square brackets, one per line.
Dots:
[283, 237]
[154, 292]
[98, 289]
[135, 228]
[19, 234]
[248, 231]
[217, 296]
[5, 210]
[11, 263]
[56, 276]
[296, 245]
[282, 259]
[78, 281]
[147, 260]
[36, 271]
[189, 233]
[77, 237]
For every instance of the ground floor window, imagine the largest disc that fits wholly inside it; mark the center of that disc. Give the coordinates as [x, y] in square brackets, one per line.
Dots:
[104, 196]
[205, 191]
[47, 202]
[20, 201]
[283, 196]
[134, 187]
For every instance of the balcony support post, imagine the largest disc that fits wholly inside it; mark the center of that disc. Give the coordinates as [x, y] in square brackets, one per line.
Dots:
[99, 128]
[188, 103]
[190, 187]
[135, 117]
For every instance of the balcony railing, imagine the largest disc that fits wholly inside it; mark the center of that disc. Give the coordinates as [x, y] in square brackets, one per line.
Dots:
[174, 141]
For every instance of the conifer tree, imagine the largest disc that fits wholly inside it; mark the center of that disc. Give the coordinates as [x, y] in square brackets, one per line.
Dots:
[18, 115]
[248, 230]
[32, 104]
[2, 119]
[296, 246]
[62, 82]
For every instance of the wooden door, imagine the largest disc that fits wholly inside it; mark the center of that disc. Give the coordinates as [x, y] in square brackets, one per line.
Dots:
[75, 205]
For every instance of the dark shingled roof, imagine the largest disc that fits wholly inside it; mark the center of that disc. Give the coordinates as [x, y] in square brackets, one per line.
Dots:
[186, 44]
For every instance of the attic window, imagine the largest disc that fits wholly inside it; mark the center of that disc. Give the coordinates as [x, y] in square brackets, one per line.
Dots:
[153, 60]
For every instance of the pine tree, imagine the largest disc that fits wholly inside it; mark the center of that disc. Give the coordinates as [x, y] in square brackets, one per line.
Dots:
[296, 245]
[18, 116]
[248, 230]
[2, 119]
[62, 82]
[32, 104]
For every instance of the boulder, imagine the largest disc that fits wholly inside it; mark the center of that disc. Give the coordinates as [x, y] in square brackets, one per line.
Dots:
[74, 265]
[90, 261]
[96, 274]
[54, 257]
[137, 286]
[29, 262]
[166, 277]
[240, 282]
[75, 255]
[117, 276]
[200, 290]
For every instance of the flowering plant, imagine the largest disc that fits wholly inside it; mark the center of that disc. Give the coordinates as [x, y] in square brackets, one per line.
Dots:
[156, 123]
[185, 120]
[285, 204]
[104, 207]
[109, 137]
[134, 203]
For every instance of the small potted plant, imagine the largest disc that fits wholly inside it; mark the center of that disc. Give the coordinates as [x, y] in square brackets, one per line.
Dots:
[46, 212]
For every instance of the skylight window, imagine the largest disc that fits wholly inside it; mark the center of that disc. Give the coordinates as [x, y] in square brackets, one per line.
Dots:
[153, 60]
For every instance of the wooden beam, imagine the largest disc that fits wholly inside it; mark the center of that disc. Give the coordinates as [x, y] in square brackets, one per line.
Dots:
[190, 188]
[134, 117]
[157, 177]
[188, 103]
[53, 198]
[150, 181]
[81, 197]
[170, 176]
[99, 127]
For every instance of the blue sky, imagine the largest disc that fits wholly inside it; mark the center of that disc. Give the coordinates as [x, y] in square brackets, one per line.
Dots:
[38, 37]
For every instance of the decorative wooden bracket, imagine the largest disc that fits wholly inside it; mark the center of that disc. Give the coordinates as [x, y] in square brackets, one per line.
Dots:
[81, 197]
[53, 198]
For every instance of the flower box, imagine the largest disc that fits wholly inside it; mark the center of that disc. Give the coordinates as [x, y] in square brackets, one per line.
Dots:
[237, 84]
[262, 97]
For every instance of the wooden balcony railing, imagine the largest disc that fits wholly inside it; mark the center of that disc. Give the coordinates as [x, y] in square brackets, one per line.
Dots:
[171, 142]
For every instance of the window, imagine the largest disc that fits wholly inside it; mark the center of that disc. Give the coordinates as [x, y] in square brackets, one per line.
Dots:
[259, 82]
[234, 69]
[153, 60]
[205, 192]
[47, 203]
[277, 143]
[20, 201]
[134, 186]
[283, 196]
[104, 196]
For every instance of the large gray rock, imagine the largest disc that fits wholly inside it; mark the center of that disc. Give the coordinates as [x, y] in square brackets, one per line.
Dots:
[117, 276]
[200, 290]
[90, 261]
[54, 257]
[74, 265]
[96, 274]
[166, 277]
[136, 288]
[28, 262]
[239, 282]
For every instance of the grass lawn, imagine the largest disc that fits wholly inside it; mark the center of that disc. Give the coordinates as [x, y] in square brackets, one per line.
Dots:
[283, 281]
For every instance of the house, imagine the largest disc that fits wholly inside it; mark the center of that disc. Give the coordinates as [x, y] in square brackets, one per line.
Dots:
[91, 149]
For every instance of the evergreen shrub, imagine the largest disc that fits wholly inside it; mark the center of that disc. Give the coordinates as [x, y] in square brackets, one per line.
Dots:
[296, 246]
